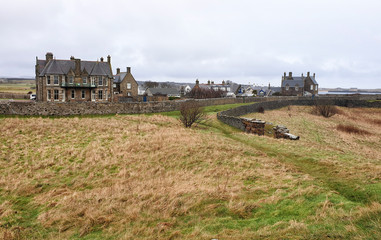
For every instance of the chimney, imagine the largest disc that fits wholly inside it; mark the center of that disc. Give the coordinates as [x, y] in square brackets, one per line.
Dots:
[77, 67]
[308, 74]
[72, 58]
[290, 75]
[109, 59]
[128, 69]
[314, 75]
[117, 70]
[101, 59]
[284, 74]
[208, 82]
[212, 82]
[223, 82]
[197, 82]
[49, 56]
[302, 75]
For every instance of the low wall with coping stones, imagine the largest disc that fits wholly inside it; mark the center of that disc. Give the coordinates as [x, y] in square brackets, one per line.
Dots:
[89, 108]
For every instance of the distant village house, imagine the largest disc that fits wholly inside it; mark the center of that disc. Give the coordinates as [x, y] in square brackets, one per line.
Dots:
[125, 86]
[299, 86]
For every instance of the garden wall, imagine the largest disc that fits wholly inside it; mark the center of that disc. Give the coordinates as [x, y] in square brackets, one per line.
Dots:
[89, 108]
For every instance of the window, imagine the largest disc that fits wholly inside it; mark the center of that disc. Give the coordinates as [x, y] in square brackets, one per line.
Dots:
[48, 80]
[287, 87]
[100, 81]
[228, 89]
[114, 85]
[312, 87]
[106, 81]
[63, 79]
[93, 95]
[84, 80]
[71, 79]
[296, 87]
[72, 94]
[93, 81]
[106, 95]
[49, 95]
[55, 94]
[83, 94]
[129, 94]
[100, 94]
[55, 79]
[128, 85]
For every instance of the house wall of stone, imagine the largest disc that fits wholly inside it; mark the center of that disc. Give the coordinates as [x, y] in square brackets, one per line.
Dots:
[292, 91]
[134, 86]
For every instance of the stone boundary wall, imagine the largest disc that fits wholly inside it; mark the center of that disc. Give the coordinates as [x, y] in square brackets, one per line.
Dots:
[90, 108]
[6, 95]
[231, 116]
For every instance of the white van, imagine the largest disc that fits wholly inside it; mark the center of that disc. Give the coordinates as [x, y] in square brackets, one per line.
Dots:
[32, 97]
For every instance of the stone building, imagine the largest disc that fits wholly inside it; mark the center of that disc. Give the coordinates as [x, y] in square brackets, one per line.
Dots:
[73, 80]
[299, 86]
[125, 85]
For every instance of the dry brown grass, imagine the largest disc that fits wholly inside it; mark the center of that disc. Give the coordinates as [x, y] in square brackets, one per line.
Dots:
[351, 129]
[150, 178]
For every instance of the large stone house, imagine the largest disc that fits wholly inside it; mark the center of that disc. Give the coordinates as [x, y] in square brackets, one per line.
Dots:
[125, 85]
[73, 80]
[299, 86]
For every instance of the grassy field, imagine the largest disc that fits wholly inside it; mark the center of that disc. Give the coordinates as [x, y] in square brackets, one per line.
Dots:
[147, 177]
[18, 87]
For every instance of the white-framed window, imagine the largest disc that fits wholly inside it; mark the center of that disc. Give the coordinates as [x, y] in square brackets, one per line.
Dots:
[129, 94]
[84, 80]
[287, 87]
[63, 78]
[106, 81]
[128, 85]
[47, 80]
[316, 87]
[114, 85]
[71, 79]
[296, 87]
[49, 94]
[228, 89]
[312, 87]
[106, 95]
[100, 94]
[93, 95]
[56, 94]
[93, 81]
[55, 79]
[100, 81]
[72, 94]
[83, 94]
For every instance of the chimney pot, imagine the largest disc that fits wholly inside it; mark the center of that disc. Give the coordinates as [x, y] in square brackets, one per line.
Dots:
[197, 82]
[308, 74]
[77, 67]
[72, 58]
[128, 69]
[109, 59]
[117, 70]
[101, 59]
[314, 74]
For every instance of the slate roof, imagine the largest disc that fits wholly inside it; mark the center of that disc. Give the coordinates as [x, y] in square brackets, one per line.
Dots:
[296, 80]
[119, 77]
[163, 91]
[93, 68]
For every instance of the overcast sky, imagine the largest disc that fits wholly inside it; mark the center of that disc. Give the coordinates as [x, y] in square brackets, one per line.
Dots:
[180, 40]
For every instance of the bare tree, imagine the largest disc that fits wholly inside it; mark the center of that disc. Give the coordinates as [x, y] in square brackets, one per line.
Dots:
[191, 112]
[150, 84]
[166, 85]
[324, 109]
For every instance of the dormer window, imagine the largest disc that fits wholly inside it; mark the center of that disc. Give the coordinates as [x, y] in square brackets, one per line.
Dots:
[296, 87]
[84, 80]
[287, 87]
[100, 81]
[71, 79]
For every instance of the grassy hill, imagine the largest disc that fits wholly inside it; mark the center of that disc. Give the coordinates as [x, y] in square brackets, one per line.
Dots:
[147, 177]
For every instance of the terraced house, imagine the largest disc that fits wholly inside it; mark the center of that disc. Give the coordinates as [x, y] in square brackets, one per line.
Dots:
[73, 80]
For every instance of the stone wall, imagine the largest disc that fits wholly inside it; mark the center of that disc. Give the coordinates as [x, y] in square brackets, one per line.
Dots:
[231, 116]
[5, 95]
[88, 108]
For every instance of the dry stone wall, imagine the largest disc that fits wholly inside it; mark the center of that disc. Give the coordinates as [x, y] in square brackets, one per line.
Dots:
[90, 108]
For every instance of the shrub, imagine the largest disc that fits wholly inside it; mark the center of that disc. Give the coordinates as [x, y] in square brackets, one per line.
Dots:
[191, 112]
[325, 110]
[351, 129]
